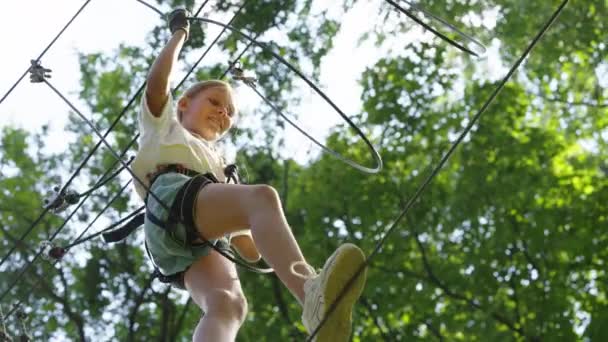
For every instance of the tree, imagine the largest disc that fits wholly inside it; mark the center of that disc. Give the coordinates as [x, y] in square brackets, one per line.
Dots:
[505, 244]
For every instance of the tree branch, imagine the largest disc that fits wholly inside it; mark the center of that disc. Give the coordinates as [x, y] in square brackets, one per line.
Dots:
[276, 286]
[63, 300]
[166, 313]
[573, 103]
[435, 331]
[498, 317]
[180, 321]
[386, 336]
[138, 302]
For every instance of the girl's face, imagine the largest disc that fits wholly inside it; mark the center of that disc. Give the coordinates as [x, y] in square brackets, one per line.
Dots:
[208, 113]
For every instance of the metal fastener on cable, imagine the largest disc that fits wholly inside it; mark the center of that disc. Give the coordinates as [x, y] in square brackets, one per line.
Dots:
[239, 74]
[38, 73]
[60, 200]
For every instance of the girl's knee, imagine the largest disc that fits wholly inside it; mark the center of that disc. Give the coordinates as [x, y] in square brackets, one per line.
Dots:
[230, 305]
[265, 195]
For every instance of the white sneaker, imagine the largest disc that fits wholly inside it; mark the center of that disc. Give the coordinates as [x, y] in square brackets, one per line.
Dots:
[321, 291]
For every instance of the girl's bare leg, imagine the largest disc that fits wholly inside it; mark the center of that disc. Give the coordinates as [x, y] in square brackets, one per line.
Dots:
[226, 208]
[214, 286]
[246, 248]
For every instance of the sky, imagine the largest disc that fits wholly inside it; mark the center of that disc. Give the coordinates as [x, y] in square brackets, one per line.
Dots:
[25, 36]
[104, 25]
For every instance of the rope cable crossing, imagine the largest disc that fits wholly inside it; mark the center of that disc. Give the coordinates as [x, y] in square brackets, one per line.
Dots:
[47, 48]
[443, 160]
[124, 166]
[90, 154]
[63, 250]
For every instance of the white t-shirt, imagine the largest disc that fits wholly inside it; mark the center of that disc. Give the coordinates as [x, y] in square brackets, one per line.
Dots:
[163, 140]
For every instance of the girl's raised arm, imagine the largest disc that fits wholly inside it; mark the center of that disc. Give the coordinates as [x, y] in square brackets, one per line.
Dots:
[157, 90]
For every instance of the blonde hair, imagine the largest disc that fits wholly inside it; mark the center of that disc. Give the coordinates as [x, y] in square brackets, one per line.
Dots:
[201, 86]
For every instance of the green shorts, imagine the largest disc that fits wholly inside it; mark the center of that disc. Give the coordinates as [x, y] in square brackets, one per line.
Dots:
[169, 248]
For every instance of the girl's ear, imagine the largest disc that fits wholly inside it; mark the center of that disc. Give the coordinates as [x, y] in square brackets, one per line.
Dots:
[182, 103]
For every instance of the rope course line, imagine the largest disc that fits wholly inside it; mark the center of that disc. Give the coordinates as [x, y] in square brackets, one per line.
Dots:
[35, 64]
[47, 48]
[39, 75]
[49, 251]
[42, 249]
[48, 208]
[443, 160]
[468, 38]
[238, 11]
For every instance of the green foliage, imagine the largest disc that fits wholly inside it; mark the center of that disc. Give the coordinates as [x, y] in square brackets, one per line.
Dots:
[507, 243]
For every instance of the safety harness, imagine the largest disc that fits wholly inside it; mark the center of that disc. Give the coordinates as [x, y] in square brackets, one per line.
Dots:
[180, 212]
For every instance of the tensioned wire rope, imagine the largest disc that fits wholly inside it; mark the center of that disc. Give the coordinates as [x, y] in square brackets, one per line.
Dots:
[466, 37]
[21, 239]
[47, 48]
[94, 149]
[66, 248]
[436, 170]
[37, 255]
[119, 159]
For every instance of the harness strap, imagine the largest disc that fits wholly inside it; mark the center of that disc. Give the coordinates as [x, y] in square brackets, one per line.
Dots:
[175, 278]
[182, 211]
[124, 231]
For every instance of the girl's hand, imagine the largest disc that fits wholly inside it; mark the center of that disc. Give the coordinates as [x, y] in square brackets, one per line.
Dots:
[178, 20]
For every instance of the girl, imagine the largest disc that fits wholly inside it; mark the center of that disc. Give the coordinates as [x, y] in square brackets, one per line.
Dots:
[178, 163]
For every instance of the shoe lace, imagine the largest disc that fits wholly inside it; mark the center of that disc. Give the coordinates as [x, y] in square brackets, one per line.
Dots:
[312, 272]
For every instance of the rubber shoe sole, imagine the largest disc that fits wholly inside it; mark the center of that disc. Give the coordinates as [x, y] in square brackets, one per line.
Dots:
[338, 326]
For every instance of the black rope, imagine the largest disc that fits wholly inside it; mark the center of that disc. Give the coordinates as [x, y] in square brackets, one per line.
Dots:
[46, 49]
[104, 181]
[210, 45]
[89, 155]
[110, 227]
[443, 160]
[437, 33]
[106, 207]
[372, 149]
